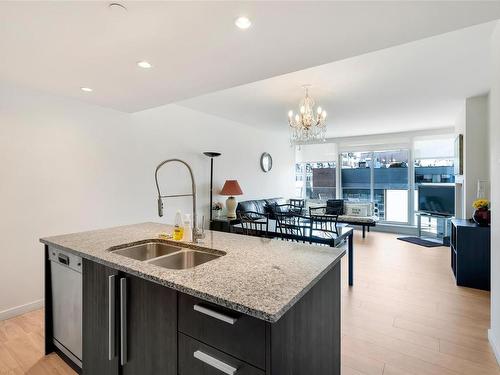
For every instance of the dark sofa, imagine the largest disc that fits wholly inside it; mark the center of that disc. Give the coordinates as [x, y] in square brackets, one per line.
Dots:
[262, 206]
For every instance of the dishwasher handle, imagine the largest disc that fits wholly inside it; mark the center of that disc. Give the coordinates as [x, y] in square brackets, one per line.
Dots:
[63, 258]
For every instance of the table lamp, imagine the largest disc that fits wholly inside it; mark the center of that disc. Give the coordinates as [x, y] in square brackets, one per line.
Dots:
[231, 188]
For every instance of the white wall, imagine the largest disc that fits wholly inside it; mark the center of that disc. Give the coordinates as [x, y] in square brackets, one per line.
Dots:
[472, 122]
[477, 148]
[460, 209]
[67, 166]
[494, 333]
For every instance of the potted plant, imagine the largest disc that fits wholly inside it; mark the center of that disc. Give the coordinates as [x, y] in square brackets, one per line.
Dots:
[217, 208]
[482, 214]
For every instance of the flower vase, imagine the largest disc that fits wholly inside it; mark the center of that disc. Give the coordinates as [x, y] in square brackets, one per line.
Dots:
[482, 217]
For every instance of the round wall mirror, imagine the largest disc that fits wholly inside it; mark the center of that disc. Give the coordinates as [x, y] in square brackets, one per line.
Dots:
[266, 162]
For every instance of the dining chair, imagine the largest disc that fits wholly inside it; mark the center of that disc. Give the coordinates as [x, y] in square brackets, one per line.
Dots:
[292, 227]
[324, 225]
[254, 223]
[297, 205]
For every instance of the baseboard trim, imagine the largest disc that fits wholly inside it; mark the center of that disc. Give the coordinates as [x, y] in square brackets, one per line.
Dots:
[397, 229]
[19, 310]
[494, 345]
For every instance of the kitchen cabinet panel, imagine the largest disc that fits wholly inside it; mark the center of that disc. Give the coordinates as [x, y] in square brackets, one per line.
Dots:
[237, 334]
[151, 333]
[95, 324]
[200, 359]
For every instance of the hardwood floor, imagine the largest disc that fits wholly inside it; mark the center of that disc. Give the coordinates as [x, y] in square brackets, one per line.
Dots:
[21, 348]
[404, 315]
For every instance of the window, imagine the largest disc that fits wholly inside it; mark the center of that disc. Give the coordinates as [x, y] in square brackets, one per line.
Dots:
[316, 180]
[390, 184]
[434, 171]
[380, 177]
[356, 181]
[434, 164]
[388, 177]
[434, 159]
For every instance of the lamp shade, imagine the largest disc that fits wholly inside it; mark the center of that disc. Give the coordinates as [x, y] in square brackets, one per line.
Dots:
[231, 187]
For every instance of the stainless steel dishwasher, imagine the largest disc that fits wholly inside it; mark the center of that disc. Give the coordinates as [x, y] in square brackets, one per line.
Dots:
[66, 277]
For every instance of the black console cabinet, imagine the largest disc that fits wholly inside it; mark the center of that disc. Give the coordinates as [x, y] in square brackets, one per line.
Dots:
[470, 254]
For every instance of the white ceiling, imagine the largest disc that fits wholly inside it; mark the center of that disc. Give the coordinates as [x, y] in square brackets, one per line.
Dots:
[195, 48]
[415, 86]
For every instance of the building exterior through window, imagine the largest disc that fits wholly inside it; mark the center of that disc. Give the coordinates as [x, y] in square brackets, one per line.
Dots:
[390, 179]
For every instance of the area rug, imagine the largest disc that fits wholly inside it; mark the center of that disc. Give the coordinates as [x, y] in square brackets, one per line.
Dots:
[420, 241]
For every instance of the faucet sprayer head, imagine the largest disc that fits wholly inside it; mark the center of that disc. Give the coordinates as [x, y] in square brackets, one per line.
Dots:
[160, 207]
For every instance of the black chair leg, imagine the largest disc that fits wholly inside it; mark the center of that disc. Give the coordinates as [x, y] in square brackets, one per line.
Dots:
[364, 234]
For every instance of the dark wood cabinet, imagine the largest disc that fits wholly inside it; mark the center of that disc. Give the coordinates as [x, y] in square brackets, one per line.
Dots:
[306, 340]
[237, 334]
[151, 328]
[132, 326]
[196, 358]
[470, 248]
[223, 224]
[96, 319]
[129, 324]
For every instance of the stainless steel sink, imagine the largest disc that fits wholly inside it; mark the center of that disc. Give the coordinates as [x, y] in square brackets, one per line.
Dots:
[184, 259]
[148, 250]
[163, 254]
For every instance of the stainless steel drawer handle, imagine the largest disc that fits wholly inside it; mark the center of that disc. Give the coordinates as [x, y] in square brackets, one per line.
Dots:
[215, 363]
[215, 314]
[123, 321]
[111, 317]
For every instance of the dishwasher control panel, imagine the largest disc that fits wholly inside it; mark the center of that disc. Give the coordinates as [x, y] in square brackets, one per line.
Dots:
[66, 258]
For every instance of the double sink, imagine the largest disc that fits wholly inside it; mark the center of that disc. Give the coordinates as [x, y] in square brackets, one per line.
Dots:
[166, 255]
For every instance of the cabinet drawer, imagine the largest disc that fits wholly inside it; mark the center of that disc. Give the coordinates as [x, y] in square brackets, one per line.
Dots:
[200, 359]
[234, 333]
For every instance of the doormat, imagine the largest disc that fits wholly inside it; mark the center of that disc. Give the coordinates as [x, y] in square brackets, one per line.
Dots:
[420, 241]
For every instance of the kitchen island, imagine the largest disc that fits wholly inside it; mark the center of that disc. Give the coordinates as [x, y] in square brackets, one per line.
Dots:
[258, 306]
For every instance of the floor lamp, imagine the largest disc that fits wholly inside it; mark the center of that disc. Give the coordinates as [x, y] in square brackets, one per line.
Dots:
[211, 155]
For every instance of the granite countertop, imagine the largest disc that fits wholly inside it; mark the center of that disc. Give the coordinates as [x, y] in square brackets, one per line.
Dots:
[257, 276]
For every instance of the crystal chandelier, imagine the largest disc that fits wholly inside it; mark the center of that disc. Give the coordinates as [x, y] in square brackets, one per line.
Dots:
[308, 124]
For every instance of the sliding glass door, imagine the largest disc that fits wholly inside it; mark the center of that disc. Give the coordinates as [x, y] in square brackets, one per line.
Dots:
[380, 177]
[356, 176]
[390, 184]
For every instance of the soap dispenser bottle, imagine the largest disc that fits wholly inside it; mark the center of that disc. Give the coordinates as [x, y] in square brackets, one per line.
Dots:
[178, 227]
[188, 229]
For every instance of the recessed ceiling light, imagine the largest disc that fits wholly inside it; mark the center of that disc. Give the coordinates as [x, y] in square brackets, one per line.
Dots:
[243, 22]
[144, 64]
[86, 89]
